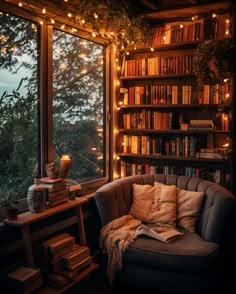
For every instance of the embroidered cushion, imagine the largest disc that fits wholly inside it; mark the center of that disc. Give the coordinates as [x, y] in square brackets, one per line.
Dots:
[153, 204]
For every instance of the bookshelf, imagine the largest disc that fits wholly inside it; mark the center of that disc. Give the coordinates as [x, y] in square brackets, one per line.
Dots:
[25, 220]
[160, 100]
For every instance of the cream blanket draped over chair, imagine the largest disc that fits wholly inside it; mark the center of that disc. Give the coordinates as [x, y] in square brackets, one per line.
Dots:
[115, 237]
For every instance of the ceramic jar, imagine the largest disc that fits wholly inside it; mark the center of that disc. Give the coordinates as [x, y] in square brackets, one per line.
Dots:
[36, 197]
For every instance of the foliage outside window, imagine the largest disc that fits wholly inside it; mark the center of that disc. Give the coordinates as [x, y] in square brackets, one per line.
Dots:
[18, 104]
[78, 103]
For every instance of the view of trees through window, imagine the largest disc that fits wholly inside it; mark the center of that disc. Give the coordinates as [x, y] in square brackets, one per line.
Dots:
[18, 103]
[78, 102]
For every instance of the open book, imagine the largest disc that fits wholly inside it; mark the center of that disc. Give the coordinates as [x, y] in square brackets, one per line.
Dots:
[164, 233]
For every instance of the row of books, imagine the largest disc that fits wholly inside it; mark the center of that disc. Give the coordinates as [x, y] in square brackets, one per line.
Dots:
[186, 146]
[172, 94]
[147, 119]
[190, 31]
[168, 65]
[219, 176]
[64, 259]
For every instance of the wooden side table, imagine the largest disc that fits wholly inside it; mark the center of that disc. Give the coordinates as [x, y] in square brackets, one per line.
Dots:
[26, 219]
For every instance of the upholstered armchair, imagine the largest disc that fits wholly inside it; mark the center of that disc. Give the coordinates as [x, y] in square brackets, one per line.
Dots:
[194, 263]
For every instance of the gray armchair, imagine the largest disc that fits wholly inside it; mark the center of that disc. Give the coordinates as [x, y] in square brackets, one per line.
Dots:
[196, 262]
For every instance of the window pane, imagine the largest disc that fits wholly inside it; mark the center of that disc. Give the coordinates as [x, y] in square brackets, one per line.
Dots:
[78, 103]
[18, 103]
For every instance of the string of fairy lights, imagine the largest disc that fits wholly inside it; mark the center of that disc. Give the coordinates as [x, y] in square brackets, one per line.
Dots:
[68, 21]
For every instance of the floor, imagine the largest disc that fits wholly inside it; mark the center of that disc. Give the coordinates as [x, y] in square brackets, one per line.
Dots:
[98, 284]
[95, 284]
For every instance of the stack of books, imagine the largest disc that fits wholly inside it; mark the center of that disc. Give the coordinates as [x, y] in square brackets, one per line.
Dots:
[64, 259]
[57, 191]
[201, 124]
[76, 260]
[25, 279]
[211, 153]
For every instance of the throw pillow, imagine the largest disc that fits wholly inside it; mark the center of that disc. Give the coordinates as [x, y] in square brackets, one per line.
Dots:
[188, 208]
[154, 204]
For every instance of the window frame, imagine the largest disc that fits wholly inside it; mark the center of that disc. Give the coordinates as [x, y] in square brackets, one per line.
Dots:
[45, 115]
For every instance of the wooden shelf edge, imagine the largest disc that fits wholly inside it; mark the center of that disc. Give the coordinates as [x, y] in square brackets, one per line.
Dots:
[83, 274]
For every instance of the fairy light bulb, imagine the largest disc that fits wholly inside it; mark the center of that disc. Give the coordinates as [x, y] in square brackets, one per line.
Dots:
[20, 4]
[152, 49]
[69, 14]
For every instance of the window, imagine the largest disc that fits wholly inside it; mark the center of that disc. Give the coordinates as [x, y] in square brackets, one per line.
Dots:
[18, 103]
[37, 125]
[78, 105]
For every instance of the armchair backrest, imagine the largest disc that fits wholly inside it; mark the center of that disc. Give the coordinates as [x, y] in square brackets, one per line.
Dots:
[217, 217]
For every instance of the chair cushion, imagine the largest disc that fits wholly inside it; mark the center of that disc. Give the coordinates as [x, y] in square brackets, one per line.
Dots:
[154, 204]
[190, 253]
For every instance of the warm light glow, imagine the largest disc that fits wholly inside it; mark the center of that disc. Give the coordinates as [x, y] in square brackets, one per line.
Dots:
[213, 15]
[65, 163]
[152, 49]
[44, 10]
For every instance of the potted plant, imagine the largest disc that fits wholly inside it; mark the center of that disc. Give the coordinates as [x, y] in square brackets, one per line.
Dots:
[9, 201]
[212, 61]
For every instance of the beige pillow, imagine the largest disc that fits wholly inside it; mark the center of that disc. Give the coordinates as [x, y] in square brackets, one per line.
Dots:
[152, 204]
[188, 208]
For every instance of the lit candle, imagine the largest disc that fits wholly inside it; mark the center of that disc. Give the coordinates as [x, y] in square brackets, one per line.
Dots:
[65, 163]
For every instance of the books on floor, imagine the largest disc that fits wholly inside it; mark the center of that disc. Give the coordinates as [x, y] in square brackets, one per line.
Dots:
[63, 256]
[25, 279]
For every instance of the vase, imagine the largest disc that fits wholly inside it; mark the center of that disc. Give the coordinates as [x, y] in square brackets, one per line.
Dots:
[36, 198]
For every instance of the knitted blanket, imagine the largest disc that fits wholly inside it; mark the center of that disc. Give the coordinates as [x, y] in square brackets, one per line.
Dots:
[115, 237]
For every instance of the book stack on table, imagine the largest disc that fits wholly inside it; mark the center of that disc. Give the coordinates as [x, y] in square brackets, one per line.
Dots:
[57, 191]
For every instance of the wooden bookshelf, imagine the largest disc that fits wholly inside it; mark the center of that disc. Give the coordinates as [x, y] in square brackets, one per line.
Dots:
[159, 83]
